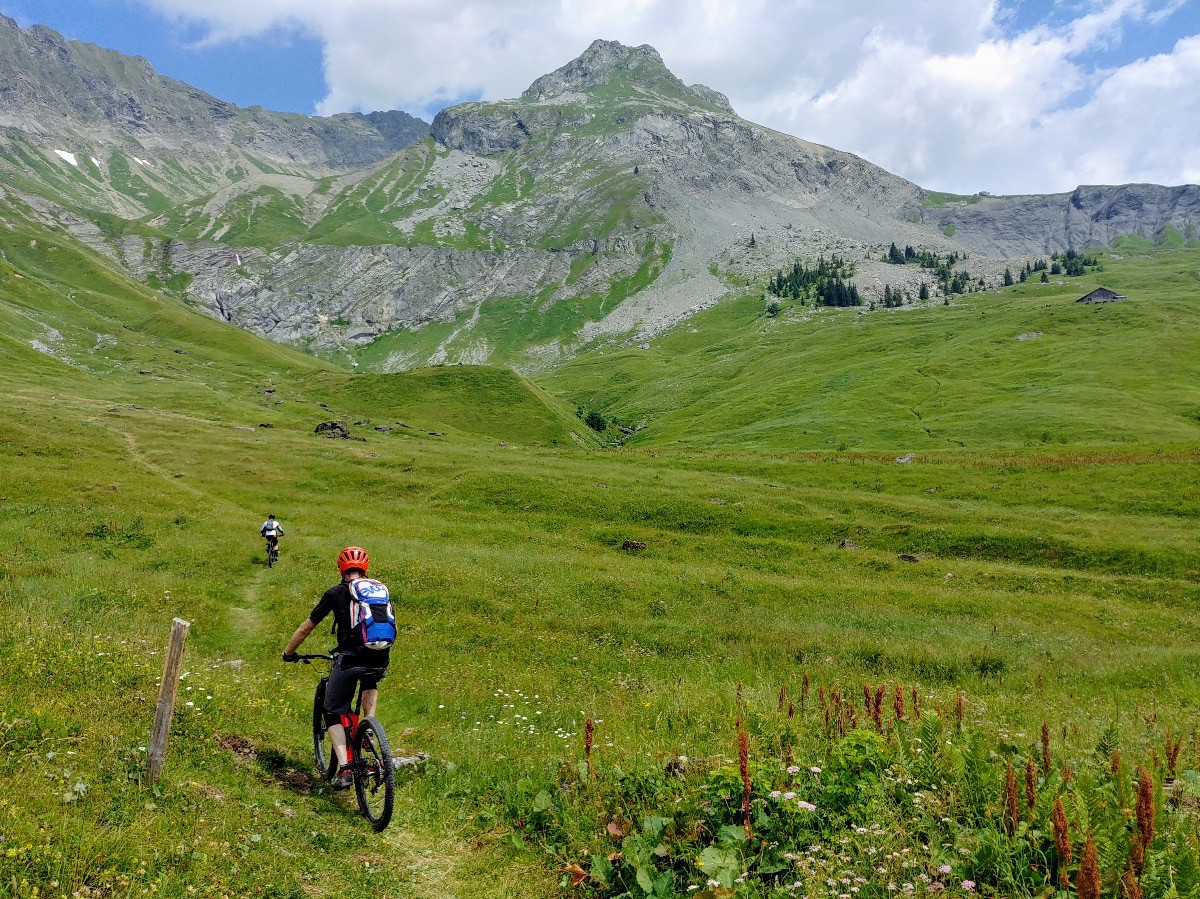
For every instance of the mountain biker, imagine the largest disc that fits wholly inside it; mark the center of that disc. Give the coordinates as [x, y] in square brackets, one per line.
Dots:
[355, 663]
[272, 530]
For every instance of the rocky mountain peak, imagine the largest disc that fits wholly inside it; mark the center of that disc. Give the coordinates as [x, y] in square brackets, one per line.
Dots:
[611, 63]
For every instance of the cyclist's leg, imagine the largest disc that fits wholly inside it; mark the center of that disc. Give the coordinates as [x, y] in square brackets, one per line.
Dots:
[339, 693]
[370, 698]
[370, 689]
[337, 736]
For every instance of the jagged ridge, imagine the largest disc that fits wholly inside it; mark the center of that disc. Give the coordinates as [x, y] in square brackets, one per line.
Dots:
[600, 205]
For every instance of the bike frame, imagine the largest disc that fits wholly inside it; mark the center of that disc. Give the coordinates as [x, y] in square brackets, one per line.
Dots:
[350, 722]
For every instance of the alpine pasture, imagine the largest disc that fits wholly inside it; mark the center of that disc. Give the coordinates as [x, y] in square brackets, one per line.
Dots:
[827, 673]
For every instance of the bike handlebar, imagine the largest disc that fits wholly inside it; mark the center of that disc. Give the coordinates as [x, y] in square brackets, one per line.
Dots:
[307, 659]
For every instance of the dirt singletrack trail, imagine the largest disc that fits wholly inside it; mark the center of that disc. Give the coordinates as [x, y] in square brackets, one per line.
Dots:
[139, 456]
[247, 618]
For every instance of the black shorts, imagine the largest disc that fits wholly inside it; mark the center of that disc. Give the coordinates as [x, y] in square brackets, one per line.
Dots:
[272, 539]
[339, 689]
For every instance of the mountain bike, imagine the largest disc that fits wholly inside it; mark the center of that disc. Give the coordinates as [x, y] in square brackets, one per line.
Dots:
[367, 746]
[272, 553]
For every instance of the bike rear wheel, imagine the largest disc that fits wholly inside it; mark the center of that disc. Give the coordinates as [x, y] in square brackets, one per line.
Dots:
[374, 779]
[322, 746]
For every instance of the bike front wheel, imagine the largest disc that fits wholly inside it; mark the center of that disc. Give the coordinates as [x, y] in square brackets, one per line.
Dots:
[374, 779]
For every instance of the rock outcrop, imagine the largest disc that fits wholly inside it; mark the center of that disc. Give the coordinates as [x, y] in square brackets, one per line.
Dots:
[1092, 216]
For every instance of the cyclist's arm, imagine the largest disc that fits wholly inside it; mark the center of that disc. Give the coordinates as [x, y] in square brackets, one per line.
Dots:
[300, 636]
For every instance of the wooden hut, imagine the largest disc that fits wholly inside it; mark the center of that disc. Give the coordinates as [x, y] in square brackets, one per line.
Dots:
[1102, 295]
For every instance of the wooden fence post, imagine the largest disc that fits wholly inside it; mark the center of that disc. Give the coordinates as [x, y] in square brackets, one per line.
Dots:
[166, 699]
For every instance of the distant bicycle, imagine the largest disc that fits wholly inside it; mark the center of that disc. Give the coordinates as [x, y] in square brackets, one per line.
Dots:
[370, 755]
[271, 530]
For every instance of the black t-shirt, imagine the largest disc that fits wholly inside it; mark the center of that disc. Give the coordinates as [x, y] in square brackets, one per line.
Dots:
[337, 601]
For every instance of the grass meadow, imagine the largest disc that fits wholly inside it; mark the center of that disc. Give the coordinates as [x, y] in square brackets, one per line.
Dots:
[826, 673]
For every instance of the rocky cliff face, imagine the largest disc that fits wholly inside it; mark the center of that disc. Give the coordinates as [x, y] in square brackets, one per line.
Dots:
[607, 202]
[75, 93]
[1014, 227]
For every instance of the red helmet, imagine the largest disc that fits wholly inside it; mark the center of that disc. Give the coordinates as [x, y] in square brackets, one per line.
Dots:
[353, 557]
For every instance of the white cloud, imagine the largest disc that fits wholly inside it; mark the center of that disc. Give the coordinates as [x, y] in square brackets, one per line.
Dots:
[948, 93]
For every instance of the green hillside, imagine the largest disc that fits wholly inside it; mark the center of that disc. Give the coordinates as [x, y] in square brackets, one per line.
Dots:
[1052, 583]
[1022, 367]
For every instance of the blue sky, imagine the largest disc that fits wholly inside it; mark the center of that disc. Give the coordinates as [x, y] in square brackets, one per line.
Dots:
[961, 95]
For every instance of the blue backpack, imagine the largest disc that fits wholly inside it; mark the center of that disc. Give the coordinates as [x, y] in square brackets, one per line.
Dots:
[371, 617]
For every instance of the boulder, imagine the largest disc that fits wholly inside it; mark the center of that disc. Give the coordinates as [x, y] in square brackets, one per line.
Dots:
[333, 429]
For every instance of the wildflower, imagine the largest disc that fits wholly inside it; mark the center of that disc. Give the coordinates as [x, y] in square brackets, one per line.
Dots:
[1129, 882]
[968, 885]
[1145, 807]
[793, 769]
[589, 728]
[1089, 871]
[944, 869]
[744, 767]
[815, 770]
[1062, 841]
[1030, 786]
[806, 806]
[1012, 816]
[789, 795]
[860, 830]
[713, 883]
[774, 794]
[1137, 855]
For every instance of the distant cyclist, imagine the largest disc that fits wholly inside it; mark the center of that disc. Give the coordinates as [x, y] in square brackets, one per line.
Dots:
[272, 530]
[364, 644]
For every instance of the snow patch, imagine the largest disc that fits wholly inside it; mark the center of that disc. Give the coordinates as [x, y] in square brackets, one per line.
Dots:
[95, 162]
[68, 157]
[140, 161]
